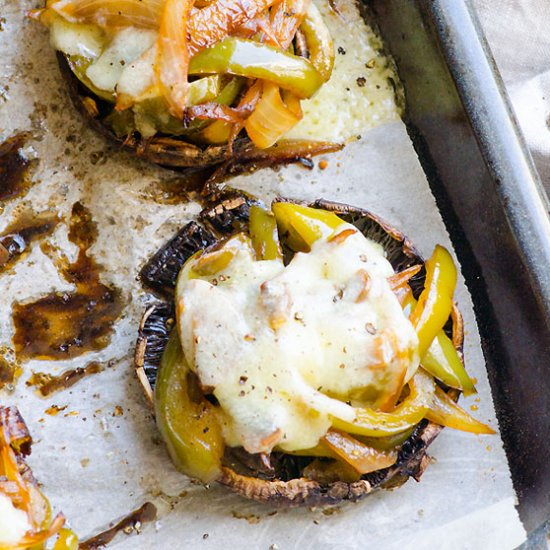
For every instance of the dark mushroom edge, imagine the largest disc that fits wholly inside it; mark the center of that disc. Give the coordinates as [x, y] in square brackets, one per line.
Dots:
[242, 472]
[176, 153]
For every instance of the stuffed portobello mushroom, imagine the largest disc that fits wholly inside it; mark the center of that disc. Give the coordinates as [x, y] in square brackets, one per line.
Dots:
[302, 355]
[193, 84]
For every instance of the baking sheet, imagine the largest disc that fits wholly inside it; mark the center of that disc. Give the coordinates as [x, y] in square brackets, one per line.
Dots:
[95, 465]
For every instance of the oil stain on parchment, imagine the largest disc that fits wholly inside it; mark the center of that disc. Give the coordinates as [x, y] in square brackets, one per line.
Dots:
[17, 237]
[63, 325]
[14, 181]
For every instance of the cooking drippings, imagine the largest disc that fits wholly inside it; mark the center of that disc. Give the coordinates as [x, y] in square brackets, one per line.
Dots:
[9, 368]
[181, 190]
[132, 522]
[27, 227]
[46, 384]
[13, 168]
[63, 325]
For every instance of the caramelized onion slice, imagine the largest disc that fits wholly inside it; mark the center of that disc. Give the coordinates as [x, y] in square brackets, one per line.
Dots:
[173, 55]
[359, 456]
[111, 13]
[271, 119]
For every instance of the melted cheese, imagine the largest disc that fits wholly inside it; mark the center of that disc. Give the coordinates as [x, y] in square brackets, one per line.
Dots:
[126, 47]
[13, 522]
[284, 348]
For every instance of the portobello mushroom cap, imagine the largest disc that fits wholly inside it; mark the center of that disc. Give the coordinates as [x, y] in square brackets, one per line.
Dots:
[245, 474]
[176, 153]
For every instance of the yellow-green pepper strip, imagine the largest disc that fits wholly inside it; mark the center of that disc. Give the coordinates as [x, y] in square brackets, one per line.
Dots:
[319, 42]
[410, 412]
[204, 89]
[302, 225]
[243, 57]
[445, 412]
[263, 232]
[442, 360]
[189, 428]
[230, 91]
[389, 442]
[436, 301]
[66, 540]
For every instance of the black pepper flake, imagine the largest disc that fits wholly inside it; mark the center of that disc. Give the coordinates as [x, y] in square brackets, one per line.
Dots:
[205, 536]
[361, 81]
[341, 50]
[363, 257]
[205, 431]
[242, 380]
[370, 328]
[269, 390]
[241, 393]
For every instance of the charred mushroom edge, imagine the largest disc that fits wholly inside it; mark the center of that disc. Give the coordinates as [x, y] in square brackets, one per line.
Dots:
[174, 152]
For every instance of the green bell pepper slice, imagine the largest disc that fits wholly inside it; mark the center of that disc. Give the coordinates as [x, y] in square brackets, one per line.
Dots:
[443, 361]
[303, 225]
[436, 300]
[407, 414]
[243, 57]
[188, 425]
[263, 233]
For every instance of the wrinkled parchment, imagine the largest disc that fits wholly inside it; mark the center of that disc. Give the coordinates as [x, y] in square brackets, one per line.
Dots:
[97, 466]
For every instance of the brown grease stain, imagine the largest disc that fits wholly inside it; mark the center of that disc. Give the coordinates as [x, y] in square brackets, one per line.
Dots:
[13, 168]
[27, 227]
[63, 325]
[47, 384]
[181, 190]
[251, 518]
[9, 368]
[133, 521]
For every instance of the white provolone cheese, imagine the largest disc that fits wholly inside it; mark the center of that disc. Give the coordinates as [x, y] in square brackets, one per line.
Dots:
[127, 46]
[14, 523]
[76, 39]
[286, 347]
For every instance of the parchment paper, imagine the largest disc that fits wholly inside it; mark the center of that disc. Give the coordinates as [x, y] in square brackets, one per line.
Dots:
[96, 467]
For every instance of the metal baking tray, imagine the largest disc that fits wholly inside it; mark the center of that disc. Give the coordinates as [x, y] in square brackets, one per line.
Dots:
[496, 211]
